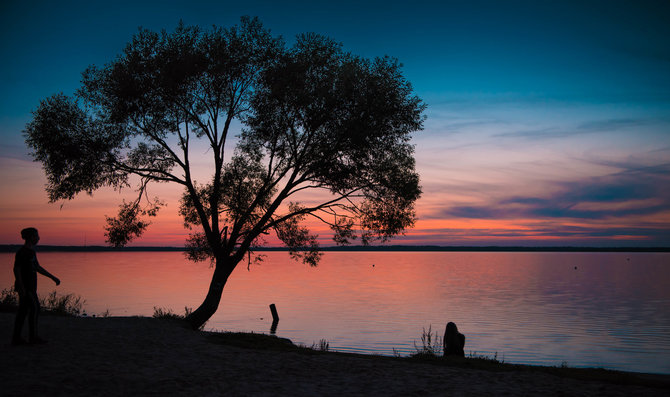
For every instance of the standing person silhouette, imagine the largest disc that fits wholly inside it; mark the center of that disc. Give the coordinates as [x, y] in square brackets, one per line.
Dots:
[26, 268]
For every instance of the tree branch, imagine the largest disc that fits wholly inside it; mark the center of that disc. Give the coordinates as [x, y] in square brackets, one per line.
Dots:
[303, 211]
[149, 173]
[158, 140]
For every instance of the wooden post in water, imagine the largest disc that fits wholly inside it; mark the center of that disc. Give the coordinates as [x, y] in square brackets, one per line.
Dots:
[275, 319]
[273, 309]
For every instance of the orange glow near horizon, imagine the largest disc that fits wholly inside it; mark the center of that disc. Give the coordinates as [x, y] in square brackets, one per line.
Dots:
[81, 221]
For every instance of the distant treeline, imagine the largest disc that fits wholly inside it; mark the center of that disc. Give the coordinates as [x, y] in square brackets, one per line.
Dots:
[391, 248]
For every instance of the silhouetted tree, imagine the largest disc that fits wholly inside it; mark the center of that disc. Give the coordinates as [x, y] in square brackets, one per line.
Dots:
[314, 117]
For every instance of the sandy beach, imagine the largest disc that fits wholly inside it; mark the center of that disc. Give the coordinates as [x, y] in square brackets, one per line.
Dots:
[144, 356]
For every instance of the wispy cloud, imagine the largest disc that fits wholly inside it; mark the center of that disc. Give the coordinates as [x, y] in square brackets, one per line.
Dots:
[614, 124]
[564, 130]
[630, 192]
[557, 237]
[15, 151]
[555, 231]
[541, 133]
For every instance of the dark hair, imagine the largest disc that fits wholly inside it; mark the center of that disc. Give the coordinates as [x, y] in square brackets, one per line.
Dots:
[451, 328]
[28, 232]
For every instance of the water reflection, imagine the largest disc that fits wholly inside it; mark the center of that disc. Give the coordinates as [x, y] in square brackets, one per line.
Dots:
[528, 307]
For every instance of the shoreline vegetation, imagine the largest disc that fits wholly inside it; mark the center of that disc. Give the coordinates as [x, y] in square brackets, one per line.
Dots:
[390, 248]
[142, 355]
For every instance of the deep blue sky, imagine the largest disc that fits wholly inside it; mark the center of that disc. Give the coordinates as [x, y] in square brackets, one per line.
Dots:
[546, 119]
[566, 50]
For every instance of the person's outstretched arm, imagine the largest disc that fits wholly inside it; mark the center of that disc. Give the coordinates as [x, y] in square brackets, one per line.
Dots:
[44, 272]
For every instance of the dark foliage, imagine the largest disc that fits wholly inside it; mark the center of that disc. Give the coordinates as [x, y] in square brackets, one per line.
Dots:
[315, 118]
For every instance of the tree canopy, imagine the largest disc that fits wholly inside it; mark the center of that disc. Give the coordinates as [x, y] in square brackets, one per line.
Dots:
[314, 117]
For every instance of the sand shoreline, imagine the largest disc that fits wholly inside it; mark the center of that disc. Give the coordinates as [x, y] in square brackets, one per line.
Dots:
[143, 356]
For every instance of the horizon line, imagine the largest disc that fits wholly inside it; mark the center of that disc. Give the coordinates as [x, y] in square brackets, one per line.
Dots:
[353, 248]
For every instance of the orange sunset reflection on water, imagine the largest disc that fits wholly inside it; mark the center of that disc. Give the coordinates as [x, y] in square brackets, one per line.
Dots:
[587, 309]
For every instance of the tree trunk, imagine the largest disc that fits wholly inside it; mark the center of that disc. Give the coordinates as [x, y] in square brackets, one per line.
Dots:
[224, 267]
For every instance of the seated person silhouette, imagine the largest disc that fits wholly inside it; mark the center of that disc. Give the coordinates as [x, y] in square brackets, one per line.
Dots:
[26, 268]
[454, 341]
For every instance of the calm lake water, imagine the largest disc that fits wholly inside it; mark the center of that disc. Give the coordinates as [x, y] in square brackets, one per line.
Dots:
[611, 311]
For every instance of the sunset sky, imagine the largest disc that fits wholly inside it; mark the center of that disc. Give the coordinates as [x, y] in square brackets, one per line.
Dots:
[548, 122]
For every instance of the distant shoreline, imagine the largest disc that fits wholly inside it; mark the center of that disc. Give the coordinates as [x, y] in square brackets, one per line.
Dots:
[389, 248]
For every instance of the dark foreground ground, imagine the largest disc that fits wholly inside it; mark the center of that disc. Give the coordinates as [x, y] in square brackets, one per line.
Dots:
[143, 356]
